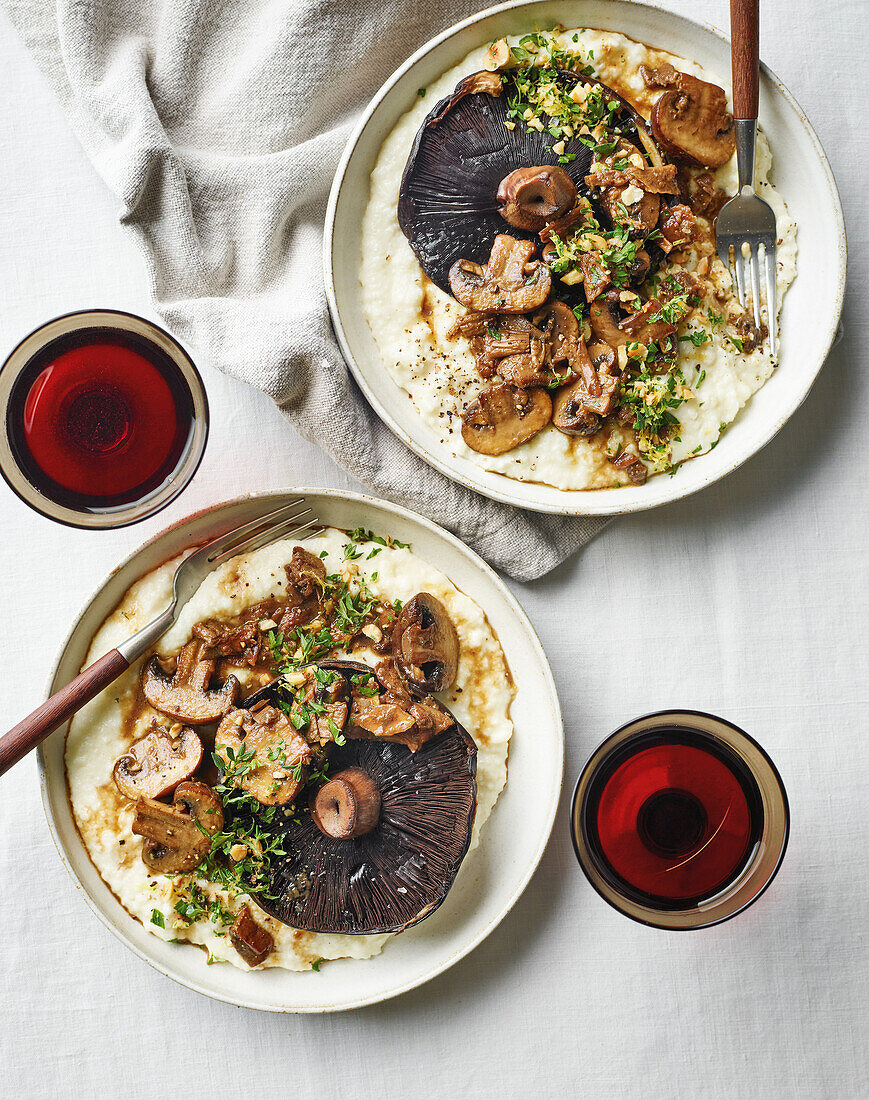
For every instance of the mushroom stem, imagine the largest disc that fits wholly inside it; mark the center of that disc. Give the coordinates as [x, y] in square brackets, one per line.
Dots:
[347, 806]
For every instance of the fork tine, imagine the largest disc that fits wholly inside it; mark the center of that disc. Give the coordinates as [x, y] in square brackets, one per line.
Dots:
[294, 525]
[739, 266]
[231, 538]
[771, 310]
[754, 268]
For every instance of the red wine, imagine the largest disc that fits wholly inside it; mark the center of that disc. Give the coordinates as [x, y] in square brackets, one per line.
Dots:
[99, 418]
[673, 817]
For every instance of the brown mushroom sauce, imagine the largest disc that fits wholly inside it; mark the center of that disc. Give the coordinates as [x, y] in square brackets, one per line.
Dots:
[686, 299]
[162, 759]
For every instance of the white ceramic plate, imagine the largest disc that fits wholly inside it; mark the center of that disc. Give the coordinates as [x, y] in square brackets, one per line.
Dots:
[800, 172]
[492, 876]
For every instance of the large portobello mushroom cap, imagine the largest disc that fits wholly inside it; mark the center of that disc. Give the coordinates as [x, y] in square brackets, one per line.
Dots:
[379, 845]
[448, 205]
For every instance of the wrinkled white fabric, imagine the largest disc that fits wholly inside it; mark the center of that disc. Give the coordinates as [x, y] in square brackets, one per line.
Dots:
[219, 124]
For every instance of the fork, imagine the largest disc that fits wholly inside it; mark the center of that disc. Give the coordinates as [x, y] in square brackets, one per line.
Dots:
[746, 222]
[289, 520]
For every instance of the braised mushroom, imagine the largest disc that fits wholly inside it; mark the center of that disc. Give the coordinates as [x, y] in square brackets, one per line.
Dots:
[186, 693]
[253, 942]
[632, 465]
[425, 645]
[531, 197]
[178, 837]
[510, 282]
[603, 358]
[347, 806]
[576, 411]
[595, 277]
[691, 122]
[281, 754]
[156, 763]
[611, 327]
[502, 417]
[306, 572]
[630, 206]
[448, 204]
[354, 867]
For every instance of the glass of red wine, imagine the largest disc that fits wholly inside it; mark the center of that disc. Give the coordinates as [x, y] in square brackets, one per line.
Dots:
[106, 419]
[680, 820]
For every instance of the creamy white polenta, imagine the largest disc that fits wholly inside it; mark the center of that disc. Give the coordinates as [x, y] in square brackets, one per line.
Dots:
[107, 726]
[410, 317]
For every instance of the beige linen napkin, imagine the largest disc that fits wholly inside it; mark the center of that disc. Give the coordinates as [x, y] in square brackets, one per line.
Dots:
[219, 124]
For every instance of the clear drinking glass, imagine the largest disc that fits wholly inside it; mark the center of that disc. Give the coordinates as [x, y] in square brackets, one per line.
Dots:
[105, 416]
[680, 820]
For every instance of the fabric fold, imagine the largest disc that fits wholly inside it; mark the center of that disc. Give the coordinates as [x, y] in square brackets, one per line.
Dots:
[219, 126]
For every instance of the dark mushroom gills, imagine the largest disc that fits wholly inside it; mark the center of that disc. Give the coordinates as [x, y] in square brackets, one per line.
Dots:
[398, 871]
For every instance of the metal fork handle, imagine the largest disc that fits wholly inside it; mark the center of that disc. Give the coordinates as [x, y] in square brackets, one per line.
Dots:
[745, 56]
[745, 130]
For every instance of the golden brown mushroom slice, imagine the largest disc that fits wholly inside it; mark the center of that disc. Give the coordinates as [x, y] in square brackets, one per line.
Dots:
[156, 763]
[691, 122]
[425, 645]
[510, 281]
[281, 755]
[178, 837]
[531, 197]
[632, 465]
[253, 942]
[643, 326]
[578, 412]
[503, 417]
[186, 693]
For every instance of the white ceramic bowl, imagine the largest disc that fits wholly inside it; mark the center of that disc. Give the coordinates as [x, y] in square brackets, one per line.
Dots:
[801, 173]
[492, 876]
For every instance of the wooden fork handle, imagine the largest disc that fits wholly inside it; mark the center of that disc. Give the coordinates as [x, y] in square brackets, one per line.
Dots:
[745, 56]
[61, 706]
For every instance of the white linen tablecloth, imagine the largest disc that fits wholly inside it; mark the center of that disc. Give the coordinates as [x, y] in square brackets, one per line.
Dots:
[750, 600]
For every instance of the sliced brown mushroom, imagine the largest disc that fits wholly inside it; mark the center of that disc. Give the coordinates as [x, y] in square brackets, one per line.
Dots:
[595, 277]
[186, 693]
[510, 282]
[253, 942]
[281, 754]
[575, 411]
[656, 181]
[632, 465]
[502, 417]
[639, 214]
[531, 197]
[306, 572]
[156, 763]
[347, 806]
[677, 227]
[425, 645]
[642, 327]
[522, 371]
[603, 358]
[639, 268]
[178, 837]
[691, 122]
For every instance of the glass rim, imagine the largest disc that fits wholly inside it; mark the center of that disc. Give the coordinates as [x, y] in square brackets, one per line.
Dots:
[763, 865]
[113, 517]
